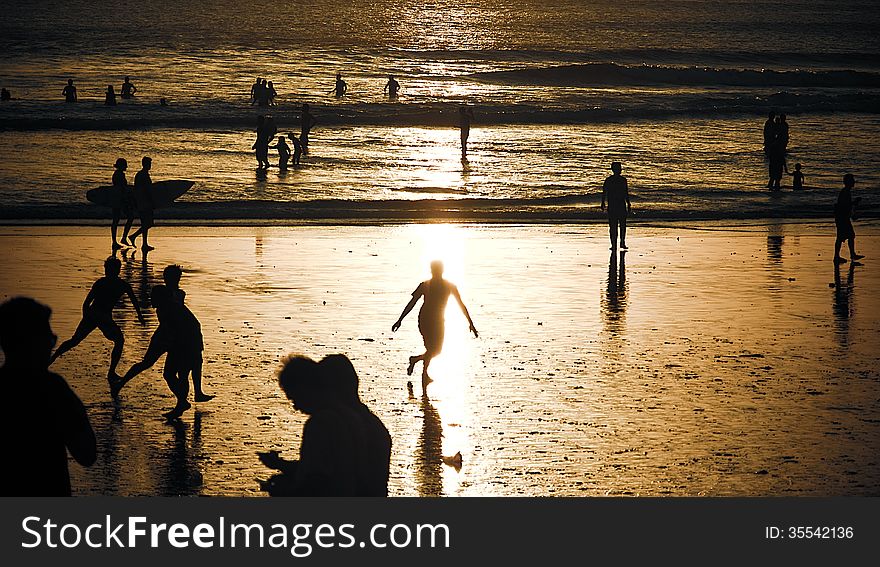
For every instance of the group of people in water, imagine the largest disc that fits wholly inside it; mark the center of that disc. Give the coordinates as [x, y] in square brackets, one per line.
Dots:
[776, 137]
[126, 91]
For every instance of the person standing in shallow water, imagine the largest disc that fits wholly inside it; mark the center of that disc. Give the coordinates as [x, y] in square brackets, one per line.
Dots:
[44, 418]
[432, 326]
[341, 87]
[465, 117]
[110, 97]
[97, 310]
[121, 202]
[616, 192]
[843, 220]
[306, 125]
[770, 130]
[69, 92]
[392, 87]
[128, 89]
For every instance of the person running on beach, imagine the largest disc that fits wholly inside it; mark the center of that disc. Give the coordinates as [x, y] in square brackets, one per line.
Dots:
[283, 152]
[110, 96]
[179, 335]
[843, 211]
[307, 122]
[43, 418]
[128, 89]
[341, 87]
[143, 187]
[121, 202]
[797, 178]
[391, 87]
[616, 192]
[69, 92]
[97, 310]
[465, 117]
[436, 292]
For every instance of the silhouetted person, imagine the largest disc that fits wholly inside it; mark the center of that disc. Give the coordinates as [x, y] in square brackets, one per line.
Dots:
[179, 335]
[782, 132]
[307, 122]
[128, 89]
[465, 117]
[5, 95]
[341, 87]
[69, 92]
[797, 178]
[255, 90]
[97, 312]
[770, 130]
[328, 457]
[265, 132]
[110, 96]
[843, 211]
[616, 192]
[374, 441]
[392, 87]
[143, 195]
[121, 202]
[776, 164]
[283, 152]
[43, 418]
[271, 93]
[263, 94]
[297, 149]
[436, 292]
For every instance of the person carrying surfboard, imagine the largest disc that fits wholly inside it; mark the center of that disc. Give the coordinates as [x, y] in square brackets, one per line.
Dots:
[97, 312]
[143, 185]
[121, 202]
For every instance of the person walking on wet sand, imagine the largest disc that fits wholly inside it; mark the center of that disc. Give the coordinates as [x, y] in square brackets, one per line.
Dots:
[465, 117]
[616, 192]
[97, 310]
[43, 419]
[69, 92]
[143, 187]
[843, 210]
[121, 202]
[436, 292]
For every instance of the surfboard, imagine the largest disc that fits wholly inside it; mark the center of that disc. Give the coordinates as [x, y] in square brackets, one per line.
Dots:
[163, 192]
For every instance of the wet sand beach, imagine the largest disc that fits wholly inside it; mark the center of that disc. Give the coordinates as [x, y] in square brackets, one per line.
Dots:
[727, 359]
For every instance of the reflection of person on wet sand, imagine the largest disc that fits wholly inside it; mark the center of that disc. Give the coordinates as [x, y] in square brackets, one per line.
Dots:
[43, 418]
[843, 211]
[97, 312]
[843, 294]
[436, 292]
[616, 192]
[345, 449]
[429, 461]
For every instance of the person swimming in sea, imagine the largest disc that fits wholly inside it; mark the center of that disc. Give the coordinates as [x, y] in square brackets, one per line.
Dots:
[436, 292]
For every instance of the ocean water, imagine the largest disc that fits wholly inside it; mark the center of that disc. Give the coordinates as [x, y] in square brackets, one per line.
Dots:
[676, 90]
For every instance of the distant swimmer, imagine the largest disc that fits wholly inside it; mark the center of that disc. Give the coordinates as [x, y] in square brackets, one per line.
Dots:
[69, 92]
[465, 117]
[110, 96]
[307, 122]
[797, 178]
[615, 192]
[143, 196]
[436, 292]
[5, 95]
[341, 87]
[97, 310]
[283, 152]
[843, 211]
[392, 87]
[121, 201]
[128, 89]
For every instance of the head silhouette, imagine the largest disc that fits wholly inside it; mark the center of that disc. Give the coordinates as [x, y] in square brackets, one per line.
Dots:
[121, 164]
[305, 107]
[437, 269]
[112, 267]
[797, 166]
[70, 82]
[782, 117]
[126, 78]
[341, 378]
[849, 180]
[147, 163]
[25, 334]
[159, 296]
[300, 380]
[171, 275]
[616, 167]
